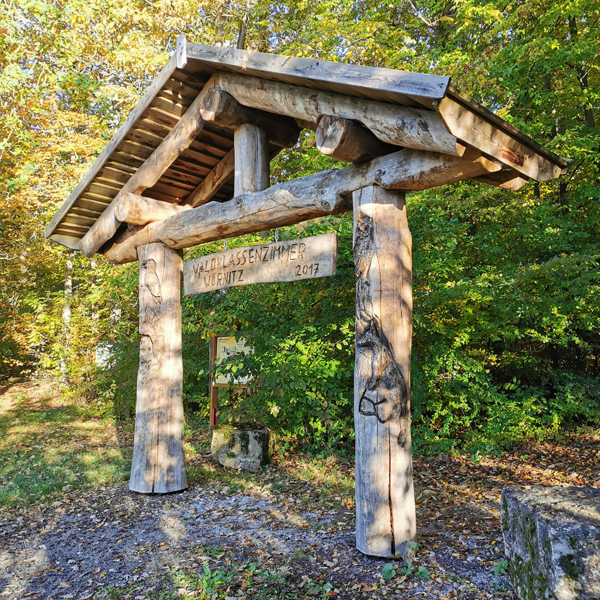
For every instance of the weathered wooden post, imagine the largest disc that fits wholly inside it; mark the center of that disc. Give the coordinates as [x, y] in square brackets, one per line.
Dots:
[385, 505]
[158, 461]
[252, 162]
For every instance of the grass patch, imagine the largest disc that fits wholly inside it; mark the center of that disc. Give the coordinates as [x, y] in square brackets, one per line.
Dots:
[49, 446]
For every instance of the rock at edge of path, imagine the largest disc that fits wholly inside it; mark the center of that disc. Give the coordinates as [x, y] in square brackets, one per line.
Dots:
[242, 447]
[552, 542]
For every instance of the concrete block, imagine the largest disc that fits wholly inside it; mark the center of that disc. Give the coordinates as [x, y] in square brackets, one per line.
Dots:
[552, 542]
[240, 447]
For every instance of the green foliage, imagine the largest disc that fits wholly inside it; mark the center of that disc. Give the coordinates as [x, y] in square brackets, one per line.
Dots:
[423, 572]
[501, 568]
[205, 583]
[388, 571]
[506, 317]
[301, 367]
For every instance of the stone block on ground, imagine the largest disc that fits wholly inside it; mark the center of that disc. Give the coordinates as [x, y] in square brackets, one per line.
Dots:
[242, 447]
[552, 542]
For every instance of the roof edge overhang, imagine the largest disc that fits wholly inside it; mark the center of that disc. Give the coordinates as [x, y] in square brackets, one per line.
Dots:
[195, 63]
[505, 126]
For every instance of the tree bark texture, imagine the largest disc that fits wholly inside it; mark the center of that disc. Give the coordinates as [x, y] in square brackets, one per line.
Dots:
[158, 462]
[385, 505]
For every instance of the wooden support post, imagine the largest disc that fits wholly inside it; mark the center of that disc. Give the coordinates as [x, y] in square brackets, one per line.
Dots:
[213, 412]
[158, 462]
[385, 504]
[252, 164]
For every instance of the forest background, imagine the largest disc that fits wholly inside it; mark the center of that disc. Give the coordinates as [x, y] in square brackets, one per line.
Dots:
[506, 285]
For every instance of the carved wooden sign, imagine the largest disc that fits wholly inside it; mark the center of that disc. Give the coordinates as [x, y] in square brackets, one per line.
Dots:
[289, 260]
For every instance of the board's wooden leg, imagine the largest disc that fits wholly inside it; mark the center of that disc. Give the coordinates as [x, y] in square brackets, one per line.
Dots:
[158, 461]
[385, 505]
[214, 406]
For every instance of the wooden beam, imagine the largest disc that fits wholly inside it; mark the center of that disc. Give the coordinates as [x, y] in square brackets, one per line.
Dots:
[355, 80]
[488, 115]
[299, 200]
[508, 180]
[147, 175]
[139, 210]
[487, 137]
[419, 171]
[398, 125]
[213, 181]
[385, 500]
[348, 140]
[158, 464]
[222, 108]
[252, 165]
[117, 138]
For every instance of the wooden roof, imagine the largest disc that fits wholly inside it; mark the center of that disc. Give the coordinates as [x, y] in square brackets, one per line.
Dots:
[192, 65]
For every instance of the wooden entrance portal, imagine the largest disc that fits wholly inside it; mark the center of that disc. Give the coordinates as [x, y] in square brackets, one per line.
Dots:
[191, 165]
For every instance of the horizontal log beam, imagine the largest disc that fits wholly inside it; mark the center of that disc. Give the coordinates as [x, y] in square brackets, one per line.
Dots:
[138, 210]
[299, 200]
[415, 128]
[348, 140]
[226, 111]
[178, 140]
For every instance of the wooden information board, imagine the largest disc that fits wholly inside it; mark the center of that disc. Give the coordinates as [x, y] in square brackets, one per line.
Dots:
[223, 348]
[288, 260]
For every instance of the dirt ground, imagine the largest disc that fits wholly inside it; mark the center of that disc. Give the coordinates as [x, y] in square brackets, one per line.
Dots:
[270, 536]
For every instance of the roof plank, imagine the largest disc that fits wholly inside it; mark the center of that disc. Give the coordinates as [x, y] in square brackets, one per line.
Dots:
[347, 78]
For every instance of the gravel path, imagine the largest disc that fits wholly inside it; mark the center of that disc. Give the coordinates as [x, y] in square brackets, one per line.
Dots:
[111, 543]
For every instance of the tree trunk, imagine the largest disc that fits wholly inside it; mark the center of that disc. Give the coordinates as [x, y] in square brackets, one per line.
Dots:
[66, 319]
[385, 505]
[158, 461]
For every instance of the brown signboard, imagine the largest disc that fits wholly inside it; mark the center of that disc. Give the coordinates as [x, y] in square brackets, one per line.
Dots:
[288, 260]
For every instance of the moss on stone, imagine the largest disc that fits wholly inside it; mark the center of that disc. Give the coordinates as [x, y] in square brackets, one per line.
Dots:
[570, 566]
